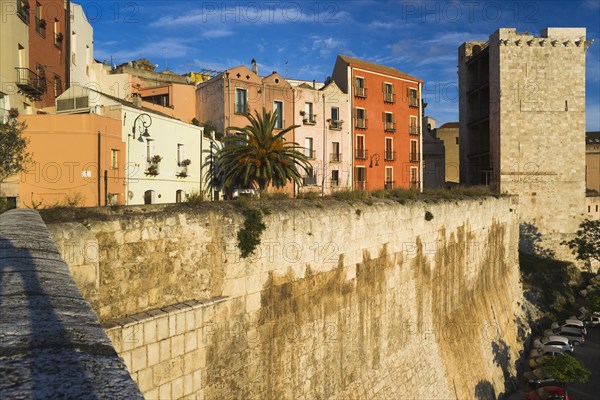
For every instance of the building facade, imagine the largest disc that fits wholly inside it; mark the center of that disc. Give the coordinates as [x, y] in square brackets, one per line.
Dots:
[321, 113]
[522, 123]
[386, 108]
[449, 134]
[82, 47]
[79, 160]
[175, 100]
[163, 157]
[49, 50]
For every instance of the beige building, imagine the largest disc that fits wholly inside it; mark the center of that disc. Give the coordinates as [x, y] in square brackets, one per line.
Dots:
[592, 174]
[448, 133]
[522, 125]
[82, 47]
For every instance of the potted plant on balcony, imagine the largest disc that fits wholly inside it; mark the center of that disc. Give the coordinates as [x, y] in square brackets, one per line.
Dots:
[156, 159]
[43, 23]
[152, 170]
[186, 162]
[13, 113]
[59, 37]
[26, 4]
[182, 174]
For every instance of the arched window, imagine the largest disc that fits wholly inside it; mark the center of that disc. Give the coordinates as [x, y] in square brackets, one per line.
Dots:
[179, 196]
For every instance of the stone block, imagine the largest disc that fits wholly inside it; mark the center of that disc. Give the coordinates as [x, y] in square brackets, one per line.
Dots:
[188, 384]
[164, 392]
[177, 345]
[177, 388]
[164, 350]
[139, 359]
[162, 328]
[153, 350]
[190, 341]
[150, 331]
[145, 380]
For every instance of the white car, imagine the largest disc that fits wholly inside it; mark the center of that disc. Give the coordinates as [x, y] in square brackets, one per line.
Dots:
[551, 349]
[550, 340]
[570, 323]
[573, 334]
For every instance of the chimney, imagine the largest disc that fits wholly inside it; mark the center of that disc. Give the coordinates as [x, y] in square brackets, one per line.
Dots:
[314, 84]
[254, 67]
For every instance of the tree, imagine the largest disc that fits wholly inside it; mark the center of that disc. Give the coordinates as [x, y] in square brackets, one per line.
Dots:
[566, 369]
[586, 245]
[257, 156]
[13, 146]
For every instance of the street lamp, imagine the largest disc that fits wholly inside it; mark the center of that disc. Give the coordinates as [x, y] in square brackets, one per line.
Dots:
[376, 157]
[145, 125]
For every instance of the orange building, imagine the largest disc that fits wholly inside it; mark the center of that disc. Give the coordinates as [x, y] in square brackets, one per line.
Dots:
[175, 100]
[385, 105]
[67, 150]
[49, 54]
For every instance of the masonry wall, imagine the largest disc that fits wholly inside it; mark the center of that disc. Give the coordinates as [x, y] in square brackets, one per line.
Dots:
[342, 301]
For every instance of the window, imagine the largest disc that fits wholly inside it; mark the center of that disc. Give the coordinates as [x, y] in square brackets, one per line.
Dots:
[23, 11]
[361, 178]
[334, 122]
[413, 101]
[149, 149]
[57, 86]
[335, 152]
[361, 90]
[241, 101]
[456, 139]
[414, 178]
[149, 197]
[360, 117]
[310, 178]
[388, 92]
[308, 148]
[114, 159]
[389, 154]
[388, 120]
[414, 129]
[180, 153]
[278, 108]
[389, 177]
[335, 177]
[414, 151]
[113, 199]
[179, 196]
[40, 23]
[308, 117]
[361, 153]
[73, 47]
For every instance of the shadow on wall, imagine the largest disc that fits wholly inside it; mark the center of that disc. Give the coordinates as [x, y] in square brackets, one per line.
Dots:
[484, 390]
[501, 353]
[37, 357]
[530, 240]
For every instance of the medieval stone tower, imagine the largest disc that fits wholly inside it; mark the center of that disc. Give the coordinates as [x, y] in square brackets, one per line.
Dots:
[522, 126]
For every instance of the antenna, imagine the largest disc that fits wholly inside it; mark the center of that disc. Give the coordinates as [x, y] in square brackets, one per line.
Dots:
[286, 69]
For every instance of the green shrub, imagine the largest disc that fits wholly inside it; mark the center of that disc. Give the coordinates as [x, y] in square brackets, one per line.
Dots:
[428, 216]
[194, 199]
[312, 195]
[249, 237]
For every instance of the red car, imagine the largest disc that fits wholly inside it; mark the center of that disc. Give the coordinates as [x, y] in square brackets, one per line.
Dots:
[548, 392]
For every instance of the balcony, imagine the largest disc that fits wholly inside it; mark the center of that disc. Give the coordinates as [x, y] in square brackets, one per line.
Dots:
[58, 39]
[413, 102]
[413, 130]
[361, 154]
[310, 154]
[309, 119]
[40, 26]
[23, 10]
[30, 83]
[390, 127]
[361, 123]
[241, 108]
[389, 98]
[335, 125]
[309, 181]
[152, 168]
[335, 157]
[360, 92]
[360, 185]
[414, 157]
[415, 184]
[389, 185]
[389, 155]
[182, 171]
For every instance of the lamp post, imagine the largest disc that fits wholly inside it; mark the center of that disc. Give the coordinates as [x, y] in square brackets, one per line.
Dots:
[143, 134]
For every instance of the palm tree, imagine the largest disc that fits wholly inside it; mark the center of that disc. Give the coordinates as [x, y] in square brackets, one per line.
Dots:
[258, 157]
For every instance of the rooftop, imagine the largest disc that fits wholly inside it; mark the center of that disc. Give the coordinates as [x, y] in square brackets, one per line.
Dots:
[355, 62]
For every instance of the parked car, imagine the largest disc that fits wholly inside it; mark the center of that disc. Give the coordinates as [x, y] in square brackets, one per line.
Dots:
[548, 392]
[538, 361]
[589, 320]
[547, 340]
[551, 349]
[570, 323]
[539, 377]
[573, 334]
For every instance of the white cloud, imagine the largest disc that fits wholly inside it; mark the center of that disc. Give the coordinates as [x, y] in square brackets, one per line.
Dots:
[326, 45]
[216, 33]
[592, 4]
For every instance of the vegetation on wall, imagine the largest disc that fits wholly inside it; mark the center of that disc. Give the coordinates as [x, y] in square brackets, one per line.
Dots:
[586, 245]
[428, 216]
[249, 237]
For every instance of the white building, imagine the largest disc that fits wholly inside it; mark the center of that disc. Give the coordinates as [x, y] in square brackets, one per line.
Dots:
[82, 46]
[164, 155]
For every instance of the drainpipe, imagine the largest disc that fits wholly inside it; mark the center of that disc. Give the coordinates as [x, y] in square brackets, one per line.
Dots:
[351, 118]
[99, 169]
[294, 130]
[228, 104]
[420, 138]
[68, 45]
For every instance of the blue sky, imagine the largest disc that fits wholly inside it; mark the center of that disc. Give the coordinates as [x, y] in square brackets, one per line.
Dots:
[301, 39]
